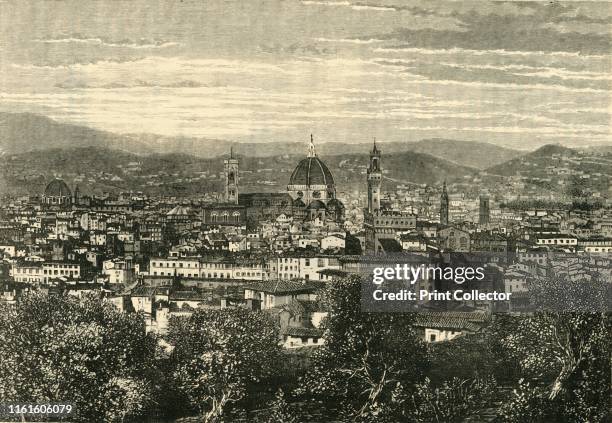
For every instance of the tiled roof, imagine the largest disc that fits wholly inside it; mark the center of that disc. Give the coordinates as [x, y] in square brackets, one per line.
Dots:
[451, 320]
[189, 295]
[487, 236]
[146, 291]
[299, 331]
[279, 287]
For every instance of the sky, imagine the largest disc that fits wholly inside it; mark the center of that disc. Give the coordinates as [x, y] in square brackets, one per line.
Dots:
[518, 74]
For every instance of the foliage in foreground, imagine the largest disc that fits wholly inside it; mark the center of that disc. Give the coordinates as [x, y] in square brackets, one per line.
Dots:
[373, 368]
[219, 354]
[365, 355]
[58, 349]
[565, 362]
[279, 411]
[450, 402]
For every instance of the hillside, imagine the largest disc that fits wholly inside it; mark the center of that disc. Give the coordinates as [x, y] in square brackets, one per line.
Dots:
[561, 170]
[535, 161]
[467, 153]
[24, 132]
[99, 169]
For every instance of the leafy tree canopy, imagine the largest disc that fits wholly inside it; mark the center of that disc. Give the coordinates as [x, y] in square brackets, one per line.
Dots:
[82, 351]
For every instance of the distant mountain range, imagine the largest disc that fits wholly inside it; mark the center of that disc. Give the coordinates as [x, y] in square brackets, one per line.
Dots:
[33, 149]
[23, 132]
[97, 169]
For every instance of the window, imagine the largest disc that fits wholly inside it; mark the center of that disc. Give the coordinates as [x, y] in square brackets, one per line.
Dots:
[432, 337]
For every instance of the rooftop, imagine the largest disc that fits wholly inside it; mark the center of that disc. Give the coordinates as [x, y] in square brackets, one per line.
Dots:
[283, 287]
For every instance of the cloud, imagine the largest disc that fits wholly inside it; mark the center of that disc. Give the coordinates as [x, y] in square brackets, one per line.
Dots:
[76, 63]
[428, 9]
[349, 40]
[354, 6]
[101, 41]
[185, 83]
[479, 52]
[579, 27]
[490, 71]
[296, 49]
[528, 27]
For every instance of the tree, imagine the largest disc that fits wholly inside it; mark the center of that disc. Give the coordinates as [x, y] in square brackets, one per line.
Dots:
[563, 351]
[352, 245]
[219, 354]
[365, 355]
[58, 349]
[452, 401]
[564, 354]
[565, 361]
[279, 411]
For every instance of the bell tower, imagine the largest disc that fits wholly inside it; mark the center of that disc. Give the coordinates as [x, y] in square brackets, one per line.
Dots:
[231, 178]
[444, 205]
[374, 180]
[483, 210]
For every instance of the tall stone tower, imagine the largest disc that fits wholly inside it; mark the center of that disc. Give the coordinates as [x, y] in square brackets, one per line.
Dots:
[374, 180]
[76, 195]
[444, 205]
[231, 178]
[483, 210]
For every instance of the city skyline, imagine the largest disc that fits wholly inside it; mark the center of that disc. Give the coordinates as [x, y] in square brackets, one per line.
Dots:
[305, 211]
[515, 74]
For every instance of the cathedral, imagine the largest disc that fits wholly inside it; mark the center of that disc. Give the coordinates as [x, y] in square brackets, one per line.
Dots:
[310, 195]
[57, 194]
[312, 189]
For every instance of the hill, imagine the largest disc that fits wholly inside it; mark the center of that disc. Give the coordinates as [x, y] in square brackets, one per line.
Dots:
[24, 132]
[96, 170]
[534, 162]
[561, 170]
[479, 155]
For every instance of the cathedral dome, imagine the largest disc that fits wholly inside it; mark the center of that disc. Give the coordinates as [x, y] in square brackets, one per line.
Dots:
[57, 188]
[311, 179]
[311, 171]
